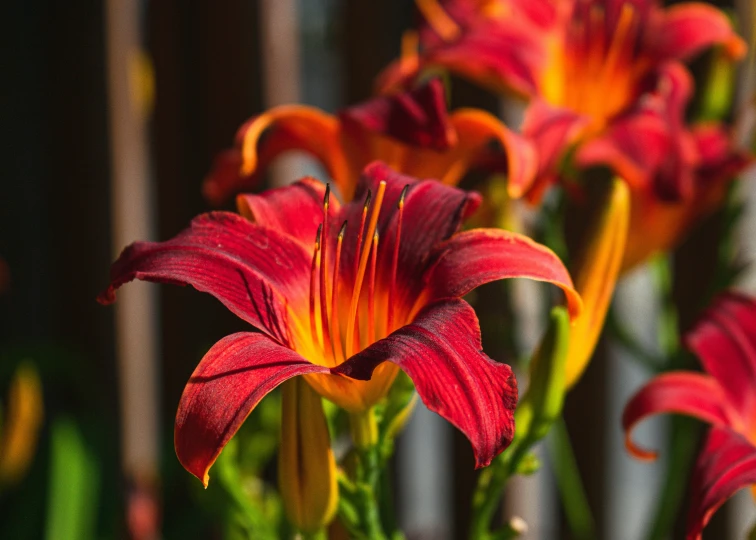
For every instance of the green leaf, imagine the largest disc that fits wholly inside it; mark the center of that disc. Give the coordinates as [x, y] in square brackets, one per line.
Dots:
[74, 484]
[542, 404]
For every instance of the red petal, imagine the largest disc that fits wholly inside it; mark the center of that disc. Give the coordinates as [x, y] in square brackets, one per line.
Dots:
[720, 159]
[296, 210]
[680, 392]
[725, 342]
[633, 147]
[685, 30]
[726, 464]
[234, 375]
[551, 131]
[417, 117]
[441, 352]
[471, 258]
[253, 270]
[650, 146]
[494, 55]
[432, 213]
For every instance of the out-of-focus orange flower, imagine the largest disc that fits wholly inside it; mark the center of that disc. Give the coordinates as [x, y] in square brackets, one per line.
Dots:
[412, 132]
[21, 424]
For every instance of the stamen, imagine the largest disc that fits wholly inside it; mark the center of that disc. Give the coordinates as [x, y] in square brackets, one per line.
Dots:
[325, 320]
[371, 290]
[314, 311]
[338, 349]
[395, 261]
[619, 42]
[438, 19]
[409, 59]
[360, 231]
[361, 269]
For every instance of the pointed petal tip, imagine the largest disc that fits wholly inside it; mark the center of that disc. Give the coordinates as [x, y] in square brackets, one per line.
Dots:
[106, 297]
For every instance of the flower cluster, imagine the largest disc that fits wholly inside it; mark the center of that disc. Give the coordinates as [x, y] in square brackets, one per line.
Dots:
[346, 288]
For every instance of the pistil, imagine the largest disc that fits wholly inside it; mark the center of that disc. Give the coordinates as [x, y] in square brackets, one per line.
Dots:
[325, 320]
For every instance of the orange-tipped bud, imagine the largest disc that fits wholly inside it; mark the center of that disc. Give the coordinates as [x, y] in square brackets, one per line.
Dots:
[595, 276]
[306, 466]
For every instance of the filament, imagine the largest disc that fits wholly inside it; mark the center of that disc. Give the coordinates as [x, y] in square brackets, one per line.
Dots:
[395, 261]
[336, 330]
[361, 268]
[438, 19]
[314, 310]
[371, 290]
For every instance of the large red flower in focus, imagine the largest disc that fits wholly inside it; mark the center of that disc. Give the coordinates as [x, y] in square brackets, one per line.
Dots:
[379, 292]
[724, 396]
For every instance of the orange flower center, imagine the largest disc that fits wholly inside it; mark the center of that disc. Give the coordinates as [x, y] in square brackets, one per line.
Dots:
[344, 320]
[593, 67]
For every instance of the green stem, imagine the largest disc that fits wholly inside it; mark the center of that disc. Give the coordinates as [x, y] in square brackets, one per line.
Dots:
[576, 508]
[668, 335]
[364, 429]
[627, 341]
[320, 534]
[681, 454]
[491, 483]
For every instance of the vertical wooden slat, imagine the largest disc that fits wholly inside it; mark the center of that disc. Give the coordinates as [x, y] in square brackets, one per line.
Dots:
[279, 35]
[136, 311]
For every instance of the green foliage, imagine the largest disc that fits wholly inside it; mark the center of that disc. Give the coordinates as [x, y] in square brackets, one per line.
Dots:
[74, 484]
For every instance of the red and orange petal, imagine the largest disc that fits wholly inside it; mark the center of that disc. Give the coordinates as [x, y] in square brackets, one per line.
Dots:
[296, 210]
[683, 30]
[234, 375]
[725, 342]
[472, 258]
[263, 138]
[492, 55]
[679, 392]
[417, 118]
[551, 132]
[261, 275]
[441, 352]
[725, 465]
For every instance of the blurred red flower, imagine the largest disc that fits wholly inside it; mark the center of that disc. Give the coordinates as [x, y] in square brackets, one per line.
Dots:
[725, 397]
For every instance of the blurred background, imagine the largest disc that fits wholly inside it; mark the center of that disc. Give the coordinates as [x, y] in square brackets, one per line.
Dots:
[112, 114]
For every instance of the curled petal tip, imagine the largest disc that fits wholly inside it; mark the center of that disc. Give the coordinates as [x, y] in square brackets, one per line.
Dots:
[637, 452]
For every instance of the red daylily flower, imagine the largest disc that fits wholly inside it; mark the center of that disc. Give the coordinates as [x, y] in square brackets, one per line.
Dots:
[411, 132]
[604, 78]
[590, 57]
[724, 396]
[348, 314]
